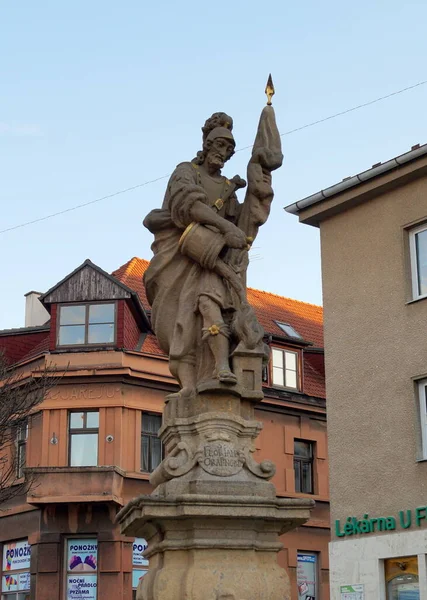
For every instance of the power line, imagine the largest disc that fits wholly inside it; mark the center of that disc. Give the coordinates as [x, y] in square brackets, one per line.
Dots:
[139, 185]
[66, 210]
[344, 112]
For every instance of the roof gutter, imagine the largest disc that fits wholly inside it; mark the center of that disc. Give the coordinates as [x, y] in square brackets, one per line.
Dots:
[273, 337]
[350, 182]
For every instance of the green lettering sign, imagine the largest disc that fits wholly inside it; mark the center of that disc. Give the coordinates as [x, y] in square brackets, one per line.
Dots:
[356, 526]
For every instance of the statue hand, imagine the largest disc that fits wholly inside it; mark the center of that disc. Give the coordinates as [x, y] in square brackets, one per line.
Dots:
[235, 238]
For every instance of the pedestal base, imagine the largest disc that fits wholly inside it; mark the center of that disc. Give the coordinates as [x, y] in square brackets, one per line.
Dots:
[213, 547]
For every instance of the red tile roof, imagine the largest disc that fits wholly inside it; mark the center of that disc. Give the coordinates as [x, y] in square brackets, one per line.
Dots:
[305, 318]
[130, 274]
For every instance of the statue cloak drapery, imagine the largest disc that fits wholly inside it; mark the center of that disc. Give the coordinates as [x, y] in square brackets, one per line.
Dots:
[173, 281]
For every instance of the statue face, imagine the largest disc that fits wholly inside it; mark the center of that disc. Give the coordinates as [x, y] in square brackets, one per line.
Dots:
[219, 152]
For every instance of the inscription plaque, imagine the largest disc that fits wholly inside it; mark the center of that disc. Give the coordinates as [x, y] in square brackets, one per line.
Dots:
[221, 458]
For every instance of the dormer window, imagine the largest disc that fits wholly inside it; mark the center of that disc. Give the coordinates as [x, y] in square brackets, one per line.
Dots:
[285, 368]
[87, 324]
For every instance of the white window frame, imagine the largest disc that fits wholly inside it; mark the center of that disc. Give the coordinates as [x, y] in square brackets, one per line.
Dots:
[413, 256]
[285, 351]
[422, 400]
[74, 432]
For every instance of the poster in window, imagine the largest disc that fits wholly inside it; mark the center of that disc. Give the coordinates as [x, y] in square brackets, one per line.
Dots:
[24, 581]
[82, 555]
[9, 583]
[137, 575]
[306, 576]
[139, 546]
[81, 586]
[16, 556]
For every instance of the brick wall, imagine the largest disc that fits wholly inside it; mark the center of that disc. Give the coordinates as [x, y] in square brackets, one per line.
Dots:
[16, 346]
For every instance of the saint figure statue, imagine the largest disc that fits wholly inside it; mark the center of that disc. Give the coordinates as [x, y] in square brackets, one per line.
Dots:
[196, 280]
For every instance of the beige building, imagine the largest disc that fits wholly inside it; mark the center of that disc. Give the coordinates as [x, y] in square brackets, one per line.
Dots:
[373, 229]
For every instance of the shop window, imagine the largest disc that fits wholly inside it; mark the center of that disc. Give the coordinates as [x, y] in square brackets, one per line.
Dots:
[15, 581]
[401, 576]
[21, 449]
[285, 368]
[303, 466]
[151, 445]
[307, 575]
[82, 568]
[139, 563]
[83, 438]
[86, 324]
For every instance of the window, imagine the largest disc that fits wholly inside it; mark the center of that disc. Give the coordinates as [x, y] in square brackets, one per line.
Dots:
[285, 368]
[82, 324]
[151, 446]
[418, 254]
[307, 575]
[139, 563]
[289, 330]
[21, 449]
[401, 576]
[82, 568]
[422, 398]
[303, 466]
[15, 581]
[265, 374]
[83, 431]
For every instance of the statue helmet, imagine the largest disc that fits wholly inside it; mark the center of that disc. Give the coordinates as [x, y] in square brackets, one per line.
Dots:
[220, 132]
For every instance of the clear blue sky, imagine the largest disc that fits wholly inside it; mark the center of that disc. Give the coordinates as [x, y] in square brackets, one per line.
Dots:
[99, 96]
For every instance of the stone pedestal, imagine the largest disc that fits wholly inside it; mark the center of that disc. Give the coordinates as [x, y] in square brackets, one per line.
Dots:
[213, 521]
[213, 547]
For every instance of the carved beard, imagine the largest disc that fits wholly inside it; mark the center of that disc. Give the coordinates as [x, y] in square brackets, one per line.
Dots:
[215, 159]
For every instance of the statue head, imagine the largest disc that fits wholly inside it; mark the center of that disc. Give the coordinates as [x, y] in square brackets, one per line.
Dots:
[218, 126]
[218, 148]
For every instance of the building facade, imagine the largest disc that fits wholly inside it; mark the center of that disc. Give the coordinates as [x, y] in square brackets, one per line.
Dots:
[373, 231]
[92, 443]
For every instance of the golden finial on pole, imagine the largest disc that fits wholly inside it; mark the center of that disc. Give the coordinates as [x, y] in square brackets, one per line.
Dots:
[269, 90]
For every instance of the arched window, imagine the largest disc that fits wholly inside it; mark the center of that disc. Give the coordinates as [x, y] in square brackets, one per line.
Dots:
[402, 578]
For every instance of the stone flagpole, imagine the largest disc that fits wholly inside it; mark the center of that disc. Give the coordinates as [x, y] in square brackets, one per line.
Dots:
[213, 520]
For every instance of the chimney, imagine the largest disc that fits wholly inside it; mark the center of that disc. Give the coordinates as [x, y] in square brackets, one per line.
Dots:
[35, 312]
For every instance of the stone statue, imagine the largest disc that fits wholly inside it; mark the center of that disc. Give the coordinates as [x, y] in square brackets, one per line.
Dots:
[196, 281]
[213, 520]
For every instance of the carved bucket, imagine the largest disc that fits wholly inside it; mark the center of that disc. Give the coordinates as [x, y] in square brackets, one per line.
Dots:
[202, 244]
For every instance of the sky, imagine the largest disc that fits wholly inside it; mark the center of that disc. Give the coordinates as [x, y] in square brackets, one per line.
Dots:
[100, 96]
